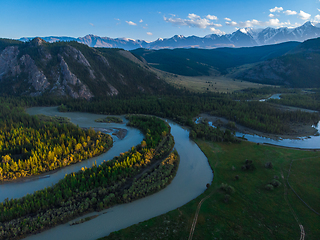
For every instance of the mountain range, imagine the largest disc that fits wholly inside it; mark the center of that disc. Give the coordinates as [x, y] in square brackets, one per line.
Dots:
[245, 37]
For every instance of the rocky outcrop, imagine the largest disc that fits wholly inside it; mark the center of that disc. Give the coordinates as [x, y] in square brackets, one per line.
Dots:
[70, 82]
[114, 91]
[36, 77]
[78, 56]
[8, 62]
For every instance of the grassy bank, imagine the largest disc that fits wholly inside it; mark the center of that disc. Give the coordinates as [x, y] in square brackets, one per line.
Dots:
[251, 211]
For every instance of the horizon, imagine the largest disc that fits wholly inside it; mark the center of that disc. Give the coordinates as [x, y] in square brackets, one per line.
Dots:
[149, 20]
[124, 38]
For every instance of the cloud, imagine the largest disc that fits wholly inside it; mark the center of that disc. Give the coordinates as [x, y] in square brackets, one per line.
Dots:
[149, 33]
[303, 15]
[232, 23]
[271, 15]
[131, 23]
[227, 19]
[140, 21]
[117, 19]
[289, 12]
[193, 20]
[317, 18]
[91, 24]
[211, 17]
[217, 31]
[276, 9]
[274, 22]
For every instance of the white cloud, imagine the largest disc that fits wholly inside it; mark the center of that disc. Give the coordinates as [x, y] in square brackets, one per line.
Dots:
[211, 17]
[131, 23]
[117, 19]
[232, 23]
[149, 33]
[318, 8]
[276, 9]
[317, 18]
[274, 22]
[91, 24]
[140, 21]
[227, 19]
[271, 15]
[303, 15]
[217, 31]
[289, 12]
[193, 20]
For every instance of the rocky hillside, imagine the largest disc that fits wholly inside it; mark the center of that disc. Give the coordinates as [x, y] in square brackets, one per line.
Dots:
[71, 69]
[300, 67]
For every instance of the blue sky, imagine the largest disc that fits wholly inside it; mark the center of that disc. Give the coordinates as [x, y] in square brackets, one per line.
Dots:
[149, 20]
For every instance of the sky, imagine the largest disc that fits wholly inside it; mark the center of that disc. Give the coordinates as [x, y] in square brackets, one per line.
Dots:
[149, 20]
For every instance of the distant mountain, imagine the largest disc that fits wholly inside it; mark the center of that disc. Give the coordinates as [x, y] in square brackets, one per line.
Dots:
[245, 37]
[300, 67]
[71, 69]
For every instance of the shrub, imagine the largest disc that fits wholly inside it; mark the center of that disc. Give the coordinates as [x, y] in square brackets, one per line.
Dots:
[275, 183]
[269, 187]
[227, 188]
[237, 177]
[248, 165]
[269, 165]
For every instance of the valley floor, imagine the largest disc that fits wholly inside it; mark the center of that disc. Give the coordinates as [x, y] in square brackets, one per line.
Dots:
[250, 211]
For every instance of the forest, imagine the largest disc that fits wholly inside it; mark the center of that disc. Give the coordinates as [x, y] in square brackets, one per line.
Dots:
[29, 146]
[303, 99]
[141, 171]
[184, 107]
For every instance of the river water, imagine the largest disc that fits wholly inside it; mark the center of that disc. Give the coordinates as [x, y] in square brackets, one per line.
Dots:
[192, 176]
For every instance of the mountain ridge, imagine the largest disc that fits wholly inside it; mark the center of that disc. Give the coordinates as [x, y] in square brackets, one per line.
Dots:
[244, 37]
[71, 69]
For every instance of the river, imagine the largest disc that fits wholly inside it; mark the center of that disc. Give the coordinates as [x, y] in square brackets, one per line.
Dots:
[192, 176]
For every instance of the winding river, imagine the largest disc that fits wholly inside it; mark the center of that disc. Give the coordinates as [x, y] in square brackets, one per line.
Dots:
[193, 174]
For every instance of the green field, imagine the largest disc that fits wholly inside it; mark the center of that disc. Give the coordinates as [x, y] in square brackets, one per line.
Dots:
[252, 211]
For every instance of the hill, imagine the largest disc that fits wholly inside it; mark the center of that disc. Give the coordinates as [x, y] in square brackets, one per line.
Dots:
[297, 68]
[72, 69]
[197, 62]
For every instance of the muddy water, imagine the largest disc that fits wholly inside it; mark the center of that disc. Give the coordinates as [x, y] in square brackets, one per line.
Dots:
[192, 176]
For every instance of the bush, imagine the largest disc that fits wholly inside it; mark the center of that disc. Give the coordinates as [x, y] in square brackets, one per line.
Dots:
[269, 187]
[248, 165]
[268, 165]
[227, 188]
[275, 183]
[237, 177]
